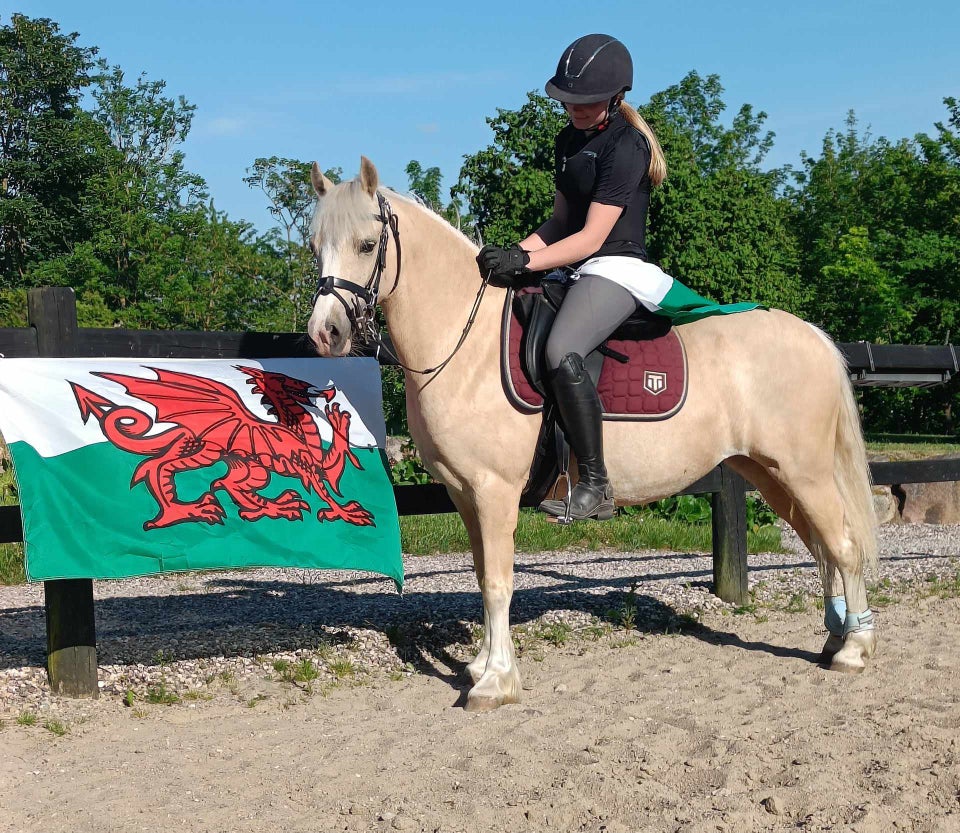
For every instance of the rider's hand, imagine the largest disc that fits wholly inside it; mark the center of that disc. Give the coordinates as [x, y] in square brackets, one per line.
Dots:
[503, 264]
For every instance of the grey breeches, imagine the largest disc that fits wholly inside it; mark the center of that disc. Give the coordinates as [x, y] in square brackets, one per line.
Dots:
[592, 309]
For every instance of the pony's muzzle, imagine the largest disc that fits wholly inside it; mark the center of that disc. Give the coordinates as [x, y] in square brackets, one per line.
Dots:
[330, 338]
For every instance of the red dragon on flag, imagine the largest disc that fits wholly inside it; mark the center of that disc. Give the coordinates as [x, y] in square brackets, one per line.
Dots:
[211, 423]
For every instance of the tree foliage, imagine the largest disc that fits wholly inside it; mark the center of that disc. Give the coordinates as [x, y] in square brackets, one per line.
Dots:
[49, 147]
[718, 223]
[425, 183]
[508, 186]
[878, 223]
[286, 185]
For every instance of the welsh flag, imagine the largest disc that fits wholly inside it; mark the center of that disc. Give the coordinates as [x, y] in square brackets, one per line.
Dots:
[128, 467]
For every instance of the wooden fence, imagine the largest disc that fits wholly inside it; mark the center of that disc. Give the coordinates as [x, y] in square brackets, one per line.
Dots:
[69, 606]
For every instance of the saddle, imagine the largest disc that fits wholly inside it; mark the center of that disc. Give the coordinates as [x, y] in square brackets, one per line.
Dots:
[639, 372]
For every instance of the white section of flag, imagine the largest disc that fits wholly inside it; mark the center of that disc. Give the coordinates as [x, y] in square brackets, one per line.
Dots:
[35, 395]
[647, 282]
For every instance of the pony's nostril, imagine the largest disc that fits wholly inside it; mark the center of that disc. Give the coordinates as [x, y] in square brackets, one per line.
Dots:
[334, 332]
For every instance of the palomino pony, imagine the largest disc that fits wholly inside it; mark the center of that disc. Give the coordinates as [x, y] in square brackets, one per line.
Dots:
[768, 393]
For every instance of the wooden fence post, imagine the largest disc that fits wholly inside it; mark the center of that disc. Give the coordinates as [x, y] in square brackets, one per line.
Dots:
[71, 627]
[730, 538]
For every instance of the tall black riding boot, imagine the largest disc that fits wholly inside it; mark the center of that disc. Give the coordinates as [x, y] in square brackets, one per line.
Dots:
[581, 413]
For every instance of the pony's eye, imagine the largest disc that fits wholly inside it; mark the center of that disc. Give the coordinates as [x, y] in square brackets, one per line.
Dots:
[367, 246]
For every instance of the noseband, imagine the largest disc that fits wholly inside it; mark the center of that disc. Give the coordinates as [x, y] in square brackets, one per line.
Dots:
[362, 311]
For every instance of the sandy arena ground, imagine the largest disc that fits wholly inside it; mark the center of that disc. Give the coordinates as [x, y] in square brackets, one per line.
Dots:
[728, 725]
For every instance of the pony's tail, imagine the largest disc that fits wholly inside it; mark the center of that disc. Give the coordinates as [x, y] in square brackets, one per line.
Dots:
[851, 471]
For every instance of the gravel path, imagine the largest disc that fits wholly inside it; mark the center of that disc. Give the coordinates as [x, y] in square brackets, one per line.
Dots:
[180, 633]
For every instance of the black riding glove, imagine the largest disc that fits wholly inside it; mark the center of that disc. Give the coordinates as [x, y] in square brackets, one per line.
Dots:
[503, 265]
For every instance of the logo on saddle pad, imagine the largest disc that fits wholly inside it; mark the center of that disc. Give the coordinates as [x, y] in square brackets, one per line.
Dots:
[654, 382]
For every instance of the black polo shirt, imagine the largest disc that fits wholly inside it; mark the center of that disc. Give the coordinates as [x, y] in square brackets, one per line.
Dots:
[609, 166]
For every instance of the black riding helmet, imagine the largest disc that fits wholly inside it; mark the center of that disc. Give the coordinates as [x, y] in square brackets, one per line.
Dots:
[593, 68]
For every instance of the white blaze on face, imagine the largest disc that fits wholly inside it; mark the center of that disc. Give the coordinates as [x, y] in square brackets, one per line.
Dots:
[327, 308]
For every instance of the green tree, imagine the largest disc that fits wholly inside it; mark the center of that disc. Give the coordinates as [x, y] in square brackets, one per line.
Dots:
[49, 147]
[508, 186]
[879, 225]
[142, 189]
[154, 253]
[426, 184]
[291, 200]
[718, 223]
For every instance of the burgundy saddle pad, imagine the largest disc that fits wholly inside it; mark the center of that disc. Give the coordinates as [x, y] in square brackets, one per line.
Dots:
[651, 385]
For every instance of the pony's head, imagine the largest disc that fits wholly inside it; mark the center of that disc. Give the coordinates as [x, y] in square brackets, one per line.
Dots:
[349, 236]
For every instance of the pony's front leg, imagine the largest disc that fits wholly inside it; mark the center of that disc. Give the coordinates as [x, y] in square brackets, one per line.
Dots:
[468, 513]
[494, 671]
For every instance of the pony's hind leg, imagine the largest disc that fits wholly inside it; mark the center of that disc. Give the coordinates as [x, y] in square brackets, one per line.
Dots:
[787, 508]
[841, 560]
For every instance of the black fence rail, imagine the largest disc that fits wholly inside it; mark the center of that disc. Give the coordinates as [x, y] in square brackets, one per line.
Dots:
[69, 604]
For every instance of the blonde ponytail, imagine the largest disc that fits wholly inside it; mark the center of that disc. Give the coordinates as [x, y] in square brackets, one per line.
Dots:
[658, 164]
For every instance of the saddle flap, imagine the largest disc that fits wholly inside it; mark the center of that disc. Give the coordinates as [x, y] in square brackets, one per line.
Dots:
[651, 384]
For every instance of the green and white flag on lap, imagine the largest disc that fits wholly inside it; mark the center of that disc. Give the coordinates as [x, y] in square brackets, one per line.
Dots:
[657, 291]
[128, 467]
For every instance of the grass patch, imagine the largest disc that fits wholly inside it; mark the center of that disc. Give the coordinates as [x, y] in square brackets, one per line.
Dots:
[197, 694]
[556, 633]
[162, 657]
[903, 447]
[26, 719]
[625, 616]
[797, 603]
[343, 668]
[159, 694]
[434, 534]
[11, 564]
[943, 588]
[56, 727]
[305, 671]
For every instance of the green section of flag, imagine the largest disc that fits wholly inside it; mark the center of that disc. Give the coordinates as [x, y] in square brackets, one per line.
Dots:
[83, 519]
[683, 305]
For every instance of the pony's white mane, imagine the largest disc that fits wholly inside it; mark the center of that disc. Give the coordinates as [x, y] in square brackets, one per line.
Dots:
[345, 211]
[429, 212]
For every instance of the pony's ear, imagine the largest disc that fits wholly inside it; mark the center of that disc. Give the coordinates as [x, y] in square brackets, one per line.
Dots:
[320, 183]
[368, 176]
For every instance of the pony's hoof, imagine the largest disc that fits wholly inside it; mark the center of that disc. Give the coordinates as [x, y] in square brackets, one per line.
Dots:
[492, 692]
[831, 648]
[847, 665]
[857, 648]
[482, 703]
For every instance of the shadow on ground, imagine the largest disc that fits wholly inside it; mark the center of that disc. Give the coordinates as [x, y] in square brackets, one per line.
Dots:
[246, 617]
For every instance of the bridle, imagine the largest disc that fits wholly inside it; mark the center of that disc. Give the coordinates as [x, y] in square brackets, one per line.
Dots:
[362, 312]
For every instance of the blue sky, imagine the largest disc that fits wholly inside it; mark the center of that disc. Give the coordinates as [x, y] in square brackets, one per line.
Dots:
[417, 79]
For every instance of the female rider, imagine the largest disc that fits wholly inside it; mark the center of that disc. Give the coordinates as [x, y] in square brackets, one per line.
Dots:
[606, 161]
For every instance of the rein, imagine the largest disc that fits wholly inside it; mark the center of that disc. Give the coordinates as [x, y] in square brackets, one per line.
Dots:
[362, 312]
